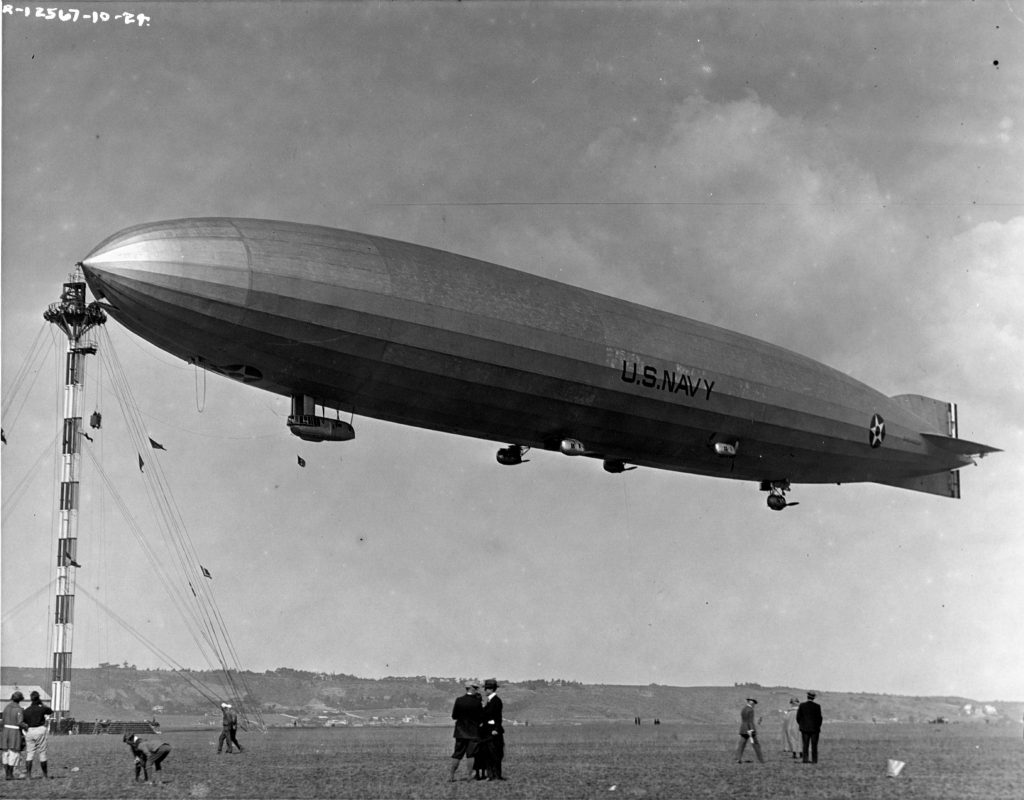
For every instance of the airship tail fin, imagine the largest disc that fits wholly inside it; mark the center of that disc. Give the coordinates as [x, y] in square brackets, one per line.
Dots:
[939, 425]
[944, 484]
[961, 447]
[937, 416]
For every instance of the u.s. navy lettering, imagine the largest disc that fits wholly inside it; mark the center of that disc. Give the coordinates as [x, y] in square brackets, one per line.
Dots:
[647, 375]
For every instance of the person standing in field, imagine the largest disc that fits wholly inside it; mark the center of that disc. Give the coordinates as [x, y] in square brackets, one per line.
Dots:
[492, 732]
[34, 720]
[146, 751]
[790, 730]
[808, 718]
[748, 731]
[229, 728]
[466, 713]
[10, 739]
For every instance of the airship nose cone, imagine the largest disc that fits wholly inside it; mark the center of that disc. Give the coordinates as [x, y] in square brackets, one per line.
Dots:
[191, 256]
[94, 279]
[124, 260]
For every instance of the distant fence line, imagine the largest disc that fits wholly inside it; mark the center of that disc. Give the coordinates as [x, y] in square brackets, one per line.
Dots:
[75, 727]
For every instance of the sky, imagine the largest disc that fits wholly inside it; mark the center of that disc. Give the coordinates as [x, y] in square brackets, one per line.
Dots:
[840, 179]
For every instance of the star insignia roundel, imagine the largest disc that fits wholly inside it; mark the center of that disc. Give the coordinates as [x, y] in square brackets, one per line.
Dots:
[876, 432]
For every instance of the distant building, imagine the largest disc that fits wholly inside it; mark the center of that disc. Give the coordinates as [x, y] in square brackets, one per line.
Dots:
[979, 710]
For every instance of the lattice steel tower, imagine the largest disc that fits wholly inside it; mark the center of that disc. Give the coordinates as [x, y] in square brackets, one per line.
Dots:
[75, 318]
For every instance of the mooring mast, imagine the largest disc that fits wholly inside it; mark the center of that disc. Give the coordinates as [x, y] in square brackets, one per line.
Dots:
[75, 318]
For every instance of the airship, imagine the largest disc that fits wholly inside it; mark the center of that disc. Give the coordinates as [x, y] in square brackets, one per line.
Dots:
[366, 326]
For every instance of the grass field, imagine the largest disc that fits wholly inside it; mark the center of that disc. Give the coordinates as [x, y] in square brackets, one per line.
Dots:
[961, 762]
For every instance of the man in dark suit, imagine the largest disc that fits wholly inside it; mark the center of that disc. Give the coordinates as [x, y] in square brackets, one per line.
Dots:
[748, 732]
[492, 733]
[466, 713]
[808, 719]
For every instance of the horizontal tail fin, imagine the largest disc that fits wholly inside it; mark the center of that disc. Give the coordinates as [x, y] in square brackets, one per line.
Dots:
[938, 429]
[939, 424]
[961, 447]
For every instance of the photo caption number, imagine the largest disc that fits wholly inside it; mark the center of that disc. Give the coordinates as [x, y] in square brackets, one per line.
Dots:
[76, 15]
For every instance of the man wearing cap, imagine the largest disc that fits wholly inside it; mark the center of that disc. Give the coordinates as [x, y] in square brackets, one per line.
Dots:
[35, 733]
[229, 729]
[146, 751]
[466, 713]
[492, 732]
[748, 730]
[808, 718]
[10, 739]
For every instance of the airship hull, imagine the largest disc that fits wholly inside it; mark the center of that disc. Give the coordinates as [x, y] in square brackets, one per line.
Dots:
[428, 338]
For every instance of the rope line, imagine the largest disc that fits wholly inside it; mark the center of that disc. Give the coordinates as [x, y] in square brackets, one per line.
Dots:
[32, 355]
[205, 691]
[13, 497]
[10, 613]
[207, 623]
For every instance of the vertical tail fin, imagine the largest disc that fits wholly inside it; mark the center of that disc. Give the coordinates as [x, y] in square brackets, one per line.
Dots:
[937, 416]
[939, 429]
[944, 484]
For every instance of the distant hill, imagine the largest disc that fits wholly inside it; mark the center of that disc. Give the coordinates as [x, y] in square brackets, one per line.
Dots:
[123, 692]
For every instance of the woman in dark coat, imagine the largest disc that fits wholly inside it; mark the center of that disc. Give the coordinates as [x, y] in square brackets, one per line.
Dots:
[12, 736]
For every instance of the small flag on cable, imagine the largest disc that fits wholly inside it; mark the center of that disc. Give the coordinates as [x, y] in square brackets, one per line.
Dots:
[67, 556]
[302, 461]
[155, 444]
[206, 572]
[141, 463]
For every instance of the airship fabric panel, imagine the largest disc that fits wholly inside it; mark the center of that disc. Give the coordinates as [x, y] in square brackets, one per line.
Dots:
[433, 339]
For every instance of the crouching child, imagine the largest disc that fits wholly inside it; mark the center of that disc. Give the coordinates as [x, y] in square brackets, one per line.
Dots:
[146, 751]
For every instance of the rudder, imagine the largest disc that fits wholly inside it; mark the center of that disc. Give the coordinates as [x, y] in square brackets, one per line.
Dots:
[944, 484]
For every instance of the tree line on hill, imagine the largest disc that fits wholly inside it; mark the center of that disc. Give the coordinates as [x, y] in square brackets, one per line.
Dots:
[128, 691]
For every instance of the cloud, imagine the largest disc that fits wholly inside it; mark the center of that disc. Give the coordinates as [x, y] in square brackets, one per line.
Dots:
[975, 336]
[984, 309]
[735, 214]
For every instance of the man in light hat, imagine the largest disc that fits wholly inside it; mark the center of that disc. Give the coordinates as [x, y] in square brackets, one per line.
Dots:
[748, 732]
[808, 717]
[229, 729]
[466, 713]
